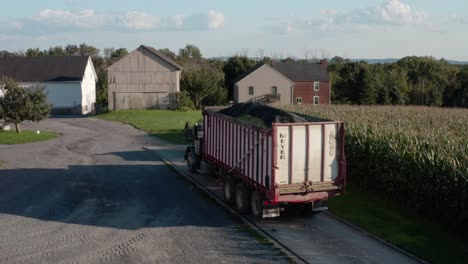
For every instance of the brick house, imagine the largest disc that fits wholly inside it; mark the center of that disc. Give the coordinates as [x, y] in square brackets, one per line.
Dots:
[311, 82]
[287, 83]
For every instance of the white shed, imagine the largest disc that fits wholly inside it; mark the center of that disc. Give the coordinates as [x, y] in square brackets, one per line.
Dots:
[70, 81]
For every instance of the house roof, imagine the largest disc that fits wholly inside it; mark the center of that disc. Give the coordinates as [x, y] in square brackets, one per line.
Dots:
[249, 71]
[44, 69]
[302, 71]
[254, 68]
[162, 56]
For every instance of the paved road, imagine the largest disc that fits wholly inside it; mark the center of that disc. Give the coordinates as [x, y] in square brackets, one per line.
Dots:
[317, 239]
[94, 195]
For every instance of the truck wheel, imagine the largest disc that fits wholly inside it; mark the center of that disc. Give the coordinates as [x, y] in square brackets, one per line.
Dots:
[190, 162]
[256, 205]
[242, 198]
[229, 189]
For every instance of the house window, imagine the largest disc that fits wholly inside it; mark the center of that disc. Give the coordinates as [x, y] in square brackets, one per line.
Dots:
[298, 100]
[251, 90]
[316, 100]
[316, 86]
[274, 90]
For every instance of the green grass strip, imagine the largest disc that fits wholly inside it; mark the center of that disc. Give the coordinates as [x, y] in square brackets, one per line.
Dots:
[409, 232]
[165, 124]
[26, 136]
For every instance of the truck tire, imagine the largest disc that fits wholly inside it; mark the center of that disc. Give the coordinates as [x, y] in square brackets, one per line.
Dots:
[229, 189]
[307, 209]
[191, 162]
[242, 198]
[256, 205]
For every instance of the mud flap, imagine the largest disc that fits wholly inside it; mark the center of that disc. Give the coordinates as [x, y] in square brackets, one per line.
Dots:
[270, 211]
[319, 206]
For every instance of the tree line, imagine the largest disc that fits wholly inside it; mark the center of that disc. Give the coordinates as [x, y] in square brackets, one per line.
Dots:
[409, 81]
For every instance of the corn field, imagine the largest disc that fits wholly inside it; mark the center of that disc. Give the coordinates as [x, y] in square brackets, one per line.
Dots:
[417, 156]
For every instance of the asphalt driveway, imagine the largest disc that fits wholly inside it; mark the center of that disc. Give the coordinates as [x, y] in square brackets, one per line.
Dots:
[94, 195]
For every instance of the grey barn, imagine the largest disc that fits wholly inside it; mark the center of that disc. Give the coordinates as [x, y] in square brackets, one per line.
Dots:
[144, 79]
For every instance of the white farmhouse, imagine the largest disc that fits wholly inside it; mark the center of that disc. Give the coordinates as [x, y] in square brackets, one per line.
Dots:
[70, 81]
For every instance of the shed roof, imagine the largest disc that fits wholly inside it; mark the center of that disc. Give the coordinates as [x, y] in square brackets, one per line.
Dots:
[44, 69]
[302, 71]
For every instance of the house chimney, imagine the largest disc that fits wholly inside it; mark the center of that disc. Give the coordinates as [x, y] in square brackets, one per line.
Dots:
[324, 63]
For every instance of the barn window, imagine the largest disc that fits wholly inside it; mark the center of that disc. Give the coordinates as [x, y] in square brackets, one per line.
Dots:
[274, 90]
[316, 86]
[316, 100]
[251, 90]
[298, 100]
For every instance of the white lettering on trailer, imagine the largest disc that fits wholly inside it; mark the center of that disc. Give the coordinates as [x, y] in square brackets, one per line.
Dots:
[283, 141]
[282, 155]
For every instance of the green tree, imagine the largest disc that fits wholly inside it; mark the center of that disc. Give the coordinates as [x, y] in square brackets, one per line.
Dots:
[56, 51]
[234, 67]
[219, 97]
[118, 54]
[87, 50]
[35, 52]
[20, 104]
[190, 53]
[184, 103]
[72, 50]
[100, 65]
[200, 81]
[428, 78]
[168, 53]
[458, 94]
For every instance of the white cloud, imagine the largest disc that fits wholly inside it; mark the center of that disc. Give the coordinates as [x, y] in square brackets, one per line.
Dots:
[57, 20]
[82, 18]
[139, 21]
[216, 19]
[15, 25]
[389, 13]
[178, 21]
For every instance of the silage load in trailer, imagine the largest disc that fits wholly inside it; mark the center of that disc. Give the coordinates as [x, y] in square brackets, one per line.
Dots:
[261, 115]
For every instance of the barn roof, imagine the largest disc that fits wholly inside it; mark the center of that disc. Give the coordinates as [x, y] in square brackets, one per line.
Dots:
[162, 56]
[302, 71]
[44, 69]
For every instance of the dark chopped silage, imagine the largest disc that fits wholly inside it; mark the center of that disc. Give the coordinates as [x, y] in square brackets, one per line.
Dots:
[265, 113]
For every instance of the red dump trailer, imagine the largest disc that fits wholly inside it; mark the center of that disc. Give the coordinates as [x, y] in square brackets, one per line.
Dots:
[265, 168]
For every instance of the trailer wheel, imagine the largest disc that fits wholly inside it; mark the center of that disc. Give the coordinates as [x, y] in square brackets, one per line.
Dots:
[256, 205]
[229, 189]
[242, 198]
[307, 209]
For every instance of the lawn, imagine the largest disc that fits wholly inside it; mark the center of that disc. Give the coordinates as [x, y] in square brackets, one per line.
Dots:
[408, 231]
[26, 136]
[165, 124]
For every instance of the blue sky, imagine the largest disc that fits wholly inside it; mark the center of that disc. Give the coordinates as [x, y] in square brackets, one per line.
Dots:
[300, 28]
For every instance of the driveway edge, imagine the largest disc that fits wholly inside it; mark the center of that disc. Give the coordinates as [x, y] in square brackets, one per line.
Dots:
[383, 241]
[284, 249]
[289, 253]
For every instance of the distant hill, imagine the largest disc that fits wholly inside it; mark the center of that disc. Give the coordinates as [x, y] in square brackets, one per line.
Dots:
[370, 61]
[393, 60]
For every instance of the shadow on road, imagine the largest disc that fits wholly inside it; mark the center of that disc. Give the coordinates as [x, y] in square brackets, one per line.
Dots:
[118, 196]
[139, 155]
